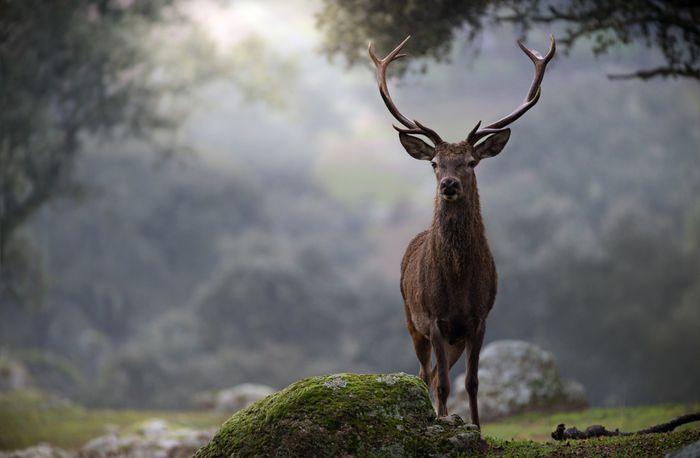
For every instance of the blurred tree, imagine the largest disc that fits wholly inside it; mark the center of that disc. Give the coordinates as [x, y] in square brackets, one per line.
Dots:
[75, 71]
[671, 27]
[347, 26]
[641, 316]
[67, 69]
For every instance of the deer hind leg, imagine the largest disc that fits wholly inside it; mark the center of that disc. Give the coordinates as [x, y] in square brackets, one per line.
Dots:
[472, 378]
[441, 383]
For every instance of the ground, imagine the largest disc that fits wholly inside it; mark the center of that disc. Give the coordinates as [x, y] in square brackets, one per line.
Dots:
[27, 418]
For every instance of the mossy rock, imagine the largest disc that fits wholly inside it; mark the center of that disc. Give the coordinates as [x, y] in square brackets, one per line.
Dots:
[345, 415]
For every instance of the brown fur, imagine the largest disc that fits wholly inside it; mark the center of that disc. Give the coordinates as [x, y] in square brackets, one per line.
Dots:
[448, 280]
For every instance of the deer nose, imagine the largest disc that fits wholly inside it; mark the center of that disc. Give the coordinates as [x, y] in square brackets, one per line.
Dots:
[449, 186]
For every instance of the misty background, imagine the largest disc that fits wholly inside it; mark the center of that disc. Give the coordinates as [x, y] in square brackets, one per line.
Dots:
[202, 193]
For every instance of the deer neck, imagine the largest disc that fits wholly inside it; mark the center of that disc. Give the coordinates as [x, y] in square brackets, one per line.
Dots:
[457, 229]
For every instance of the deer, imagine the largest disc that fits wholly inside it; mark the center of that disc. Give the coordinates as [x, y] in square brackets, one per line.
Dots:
[448, 274]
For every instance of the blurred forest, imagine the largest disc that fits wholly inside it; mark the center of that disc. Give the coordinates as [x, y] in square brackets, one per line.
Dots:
[191, 198]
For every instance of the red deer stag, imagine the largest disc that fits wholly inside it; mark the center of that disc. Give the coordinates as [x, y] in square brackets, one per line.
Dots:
[448, 276]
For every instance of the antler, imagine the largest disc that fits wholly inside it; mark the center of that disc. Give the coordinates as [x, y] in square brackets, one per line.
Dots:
[533, 94]
[412, 127]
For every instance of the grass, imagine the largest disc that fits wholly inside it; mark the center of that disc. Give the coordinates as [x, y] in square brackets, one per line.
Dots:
[528, 435]
[538, 427]
[30, 417]
[631, 446]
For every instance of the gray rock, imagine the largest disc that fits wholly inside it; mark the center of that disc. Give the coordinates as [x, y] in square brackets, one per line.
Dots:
[241, 396]
[516, 377]
[154, 438]
[37, 451]
[344, 415]
[690, 451]
[13, 374]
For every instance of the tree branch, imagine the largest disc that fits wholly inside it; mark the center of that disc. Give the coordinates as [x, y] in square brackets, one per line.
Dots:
[663, 72]
[561, 433]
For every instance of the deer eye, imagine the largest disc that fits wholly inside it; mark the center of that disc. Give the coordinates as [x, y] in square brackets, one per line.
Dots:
[472, 164]
[433, 164]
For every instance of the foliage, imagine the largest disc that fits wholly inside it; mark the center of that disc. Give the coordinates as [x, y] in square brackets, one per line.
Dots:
[220, 229]
[22, 277]
[669, 27]
[58, 83]
[72, 72]
[347, 26]
[668, 276]
[592, 237]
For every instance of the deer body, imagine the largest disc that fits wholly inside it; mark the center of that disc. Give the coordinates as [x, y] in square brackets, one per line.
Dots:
[448, 275]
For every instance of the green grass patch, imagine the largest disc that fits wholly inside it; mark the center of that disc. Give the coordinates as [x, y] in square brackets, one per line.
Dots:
[649, 445]
[538, 426]
[30, 417]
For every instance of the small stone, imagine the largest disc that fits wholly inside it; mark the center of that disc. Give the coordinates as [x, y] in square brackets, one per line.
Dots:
[463, 440]
[335, 382]
[153, 438]
[37, 451]
[453, 419]
[389, 379]
[240, 396]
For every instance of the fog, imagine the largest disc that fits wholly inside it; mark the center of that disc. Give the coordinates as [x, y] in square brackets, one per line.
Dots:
[256, 236]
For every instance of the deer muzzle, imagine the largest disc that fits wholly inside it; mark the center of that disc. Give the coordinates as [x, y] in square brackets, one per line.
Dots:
[450, 188]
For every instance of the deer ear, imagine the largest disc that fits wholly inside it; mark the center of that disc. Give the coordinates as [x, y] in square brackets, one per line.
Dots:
[417, 147]
[493, 145]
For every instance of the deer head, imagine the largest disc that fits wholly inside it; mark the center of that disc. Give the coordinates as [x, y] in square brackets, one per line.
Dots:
[454, 163]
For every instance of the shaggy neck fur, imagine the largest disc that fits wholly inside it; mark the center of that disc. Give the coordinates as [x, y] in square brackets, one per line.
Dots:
[457, 229]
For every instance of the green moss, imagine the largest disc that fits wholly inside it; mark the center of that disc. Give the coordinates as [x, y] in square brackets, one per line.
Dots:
[344, 414]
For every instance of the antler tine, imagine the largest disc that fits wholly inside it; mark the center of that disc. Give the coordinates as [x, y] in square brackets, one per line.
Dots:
[540, 63]
[532, 97]
[412, 127]
[420, 130]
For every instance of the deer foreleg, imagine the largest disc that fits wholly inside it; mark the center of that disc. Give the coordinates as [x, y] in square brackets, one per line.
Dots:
[454, 351]
[441, 383]
[472, 378]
